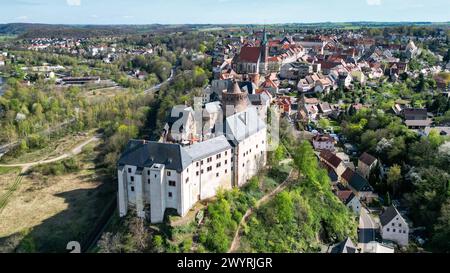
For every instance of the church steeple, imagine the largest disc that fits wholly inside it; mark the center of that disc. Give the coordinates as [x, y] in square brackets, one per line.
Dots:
[264, 53]
[264, 40]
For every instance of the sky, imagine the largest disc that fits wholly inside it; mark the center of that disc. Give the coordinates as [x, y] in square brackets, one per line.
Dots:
[220, 11]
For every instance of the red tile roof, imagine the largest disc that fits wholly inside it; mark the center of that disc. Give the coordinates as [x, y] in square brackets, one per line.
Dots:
[348, 174]
[331, 158]
[367, 159]
[250, 54]
[345, 196]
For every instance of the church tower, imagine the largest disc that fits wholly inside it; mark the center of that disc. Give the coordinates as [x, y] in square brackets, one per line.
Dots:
[264, 66]
[234, 100]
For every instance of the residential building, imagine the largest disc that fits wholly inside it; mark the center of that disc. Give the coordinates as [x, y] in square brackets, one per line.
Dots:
[323, 142]
[359, 185]
[346, 246]
[366, 163]
[332, 161]
[394, 227]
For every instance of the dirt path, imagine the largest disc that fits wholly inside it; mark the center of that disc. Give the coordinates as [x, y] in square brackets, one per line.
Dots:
[25, 166]
[77, 150]
[266, 198]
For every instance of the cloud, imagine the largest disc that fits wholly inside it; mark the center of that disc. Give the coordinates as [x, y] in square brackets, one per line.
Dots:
[22, 18]
[73, 2]
[373, 2]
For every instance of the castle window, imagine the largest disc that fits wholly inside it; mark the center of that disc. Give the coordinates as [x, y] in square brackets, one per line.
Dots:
[202, 171]
[226, 170]
[148, 172]
[148, 181]
[217, 174]
[226, 162]
[218, 165]
[132, 188]
[129, 170]
[197, 173]
[394, 230]
[169, 173]
[132, 178]
[198, 164]
[172, 183]
[187, 180]
[170, 195]
[388, 229]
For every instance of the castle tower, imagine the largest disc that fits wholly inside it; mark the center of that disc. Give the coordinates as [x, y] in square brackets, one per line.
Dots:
[234, 100]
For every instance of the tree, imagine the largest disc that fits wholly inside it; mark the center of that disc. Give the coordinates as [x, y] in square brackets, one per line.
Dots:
[441, 234]
[394, 178]
[324, 123]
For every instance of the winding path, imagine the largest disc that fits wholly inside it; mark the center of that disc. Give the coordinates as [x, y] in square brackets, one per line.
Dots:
[25, 166]
[77, 150]
[266, 198]
[158, 86]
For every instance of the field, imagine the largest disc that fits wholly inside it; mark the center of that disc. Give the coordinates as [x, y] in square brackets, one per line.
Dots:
[47, 212]
[52, 150]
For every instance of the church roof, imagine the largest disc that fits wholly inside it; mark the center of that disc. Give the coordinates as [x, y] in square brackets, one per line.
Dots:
[250, 54]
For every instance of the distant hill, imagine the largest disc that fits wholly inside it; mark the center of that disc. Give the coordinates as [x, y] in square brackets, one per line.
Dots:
[25, 30]
[28, 30]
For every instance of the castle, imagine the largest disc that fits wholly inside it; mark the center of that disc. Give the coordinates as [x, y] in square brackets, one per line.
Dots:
[155, 176]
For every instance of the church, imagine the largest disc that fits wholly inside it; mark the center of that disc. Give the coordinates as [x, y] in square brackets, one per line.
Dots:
[155, 176]
[253, 59]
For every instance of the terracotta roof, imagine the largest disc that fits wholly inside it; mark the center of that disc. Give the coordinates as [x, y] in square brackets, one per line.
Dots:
[250, 54]
[345, 196]
[348, 174]
[367, 159]
[331, 158]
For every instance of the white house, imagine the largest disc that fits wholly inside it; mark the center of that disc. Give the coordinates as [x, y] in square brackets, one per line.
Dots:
[350, 200]
[394, 227]
[323, 142]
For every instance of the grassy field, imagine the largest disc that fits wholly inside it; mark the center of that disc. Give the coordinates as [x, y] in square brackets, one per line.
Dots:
[52, 150]
[49, 211]
[7, 178]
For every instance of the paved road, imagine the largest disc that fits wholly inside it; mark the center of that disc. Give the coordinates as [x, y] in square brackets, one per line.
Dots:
[367, 228]
[77, 150]
[158, 86]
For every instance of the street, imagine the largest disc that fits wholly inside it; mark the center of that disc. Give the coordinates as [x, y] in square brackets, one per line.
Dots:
[367, 229]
